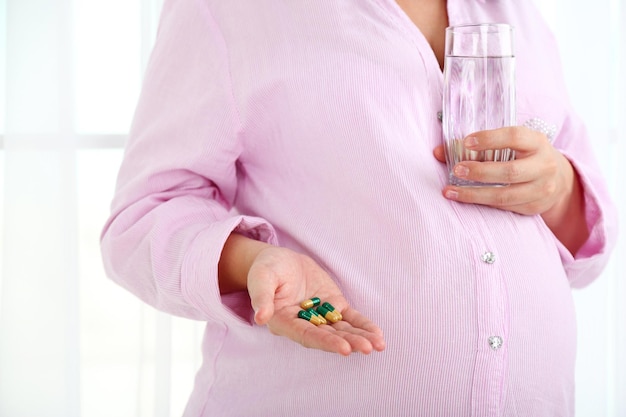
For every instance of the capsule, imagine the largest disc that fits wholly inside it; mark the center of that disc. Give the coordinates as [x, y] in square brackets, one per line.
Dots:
[329, 307]
[310, 303]
[315, 313]
[331, 316]
[316, 320]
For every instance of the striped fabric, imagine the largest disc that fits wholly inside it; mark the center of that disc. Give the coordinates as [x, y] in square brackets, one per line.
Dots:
[311, 124]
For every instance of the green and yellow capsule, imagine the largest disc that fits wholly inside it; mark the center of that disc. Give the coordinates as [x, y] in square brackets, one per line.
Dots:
[310, 303]
[316, 320]
[315, 313]
[331, 316]
[329, 307]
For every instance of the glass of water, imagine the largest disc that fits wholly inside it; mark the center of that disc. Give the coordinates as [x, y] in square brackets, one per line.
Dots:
[478, 92]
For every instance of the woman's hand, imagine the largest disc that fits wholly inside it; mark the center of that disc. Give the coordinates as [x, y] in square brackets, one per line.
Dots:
[279, 279]
[540, 177]
[542, 181]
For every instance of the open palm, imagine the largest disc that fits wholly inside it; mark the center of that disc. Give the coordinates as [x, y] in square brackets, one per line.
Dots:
[279, 279]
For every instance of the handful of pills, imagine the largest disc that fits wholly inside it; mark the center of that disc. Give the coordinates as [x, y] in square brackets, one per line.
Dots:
[325, 313]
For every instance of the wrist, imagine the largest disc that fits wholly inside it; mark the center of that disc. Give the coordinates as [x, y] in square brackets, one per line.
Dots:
[566, 218]
[238, 255]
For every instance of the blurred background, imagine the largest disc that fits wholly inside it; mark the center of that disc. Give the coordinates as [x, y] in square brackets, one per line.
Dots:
[73, 344]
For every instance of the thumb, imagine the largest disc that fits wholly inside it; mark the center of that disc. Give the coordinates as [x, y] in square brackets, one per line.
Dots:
[262, 299]
[439, 153]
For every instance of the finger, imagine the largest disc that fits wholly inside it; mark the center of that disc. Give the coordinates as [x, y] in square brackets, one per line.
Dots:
[286, 323]
[358, 343]
[361, 340]
[439, 153]
[322, 337]
[519, 138]
[262, 293]
[341, 337]
[358, 320]
[362, 334]
[511, 172]
[506, 198]
[262, 315]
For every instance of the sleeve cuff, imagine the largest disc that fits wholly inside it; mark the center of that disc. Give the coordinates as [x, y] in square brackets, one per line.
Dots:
[592, 257]
[199, 284]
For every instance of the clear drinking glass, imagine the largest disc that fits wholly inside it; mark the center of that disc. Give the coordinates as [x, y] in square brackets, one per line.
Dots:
[478, 92]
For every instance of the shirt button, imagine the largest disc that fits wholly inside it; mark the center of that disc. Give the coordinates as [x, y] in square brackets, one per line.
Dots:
[495, 342]
[488, 257]
[440, 115]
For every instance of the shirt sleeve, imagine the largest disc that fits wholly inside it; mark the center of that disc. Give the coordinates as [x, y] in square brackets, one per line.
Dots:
[600, 212]
[172, 209]
[574, 142]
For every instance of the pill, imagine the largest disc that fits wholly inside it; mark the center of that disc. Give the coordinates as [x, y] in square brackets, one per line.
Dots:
[315, 313]
[329, 307]
[331, 316]
[310, 303]
[310, 317]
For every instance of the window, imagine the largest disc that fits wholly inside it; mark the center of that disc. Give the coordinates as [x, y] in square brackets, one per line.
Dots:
[70, 73]
[85, 346]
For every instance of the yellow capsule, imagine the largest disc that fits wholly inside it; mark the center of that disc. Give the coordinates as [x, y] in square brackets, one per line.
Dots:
[316, 320]
[315, 313]
[331, 316]
[310, 303]
[329, 307]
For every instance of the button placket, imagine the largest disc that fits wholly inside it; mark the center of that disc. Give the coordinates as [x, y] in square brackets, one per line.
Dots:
[492, 313]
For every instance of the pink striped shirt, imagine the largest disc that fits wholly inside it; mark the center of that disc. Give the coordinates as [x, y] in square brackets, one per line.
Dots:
[311, 124]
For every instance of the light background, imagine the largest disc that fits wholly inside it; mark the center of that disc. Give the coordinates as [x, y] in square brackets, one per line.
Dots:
[72, 344]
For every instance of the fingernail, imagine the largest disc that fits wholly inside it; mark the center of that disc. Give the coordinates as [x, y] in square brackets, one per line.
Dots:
[461, 171]
[470, 141]
[451, 194]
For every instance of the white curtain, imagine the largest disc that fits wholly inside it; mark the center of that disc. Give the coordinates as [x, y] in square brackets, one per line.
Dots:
[72, 344]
